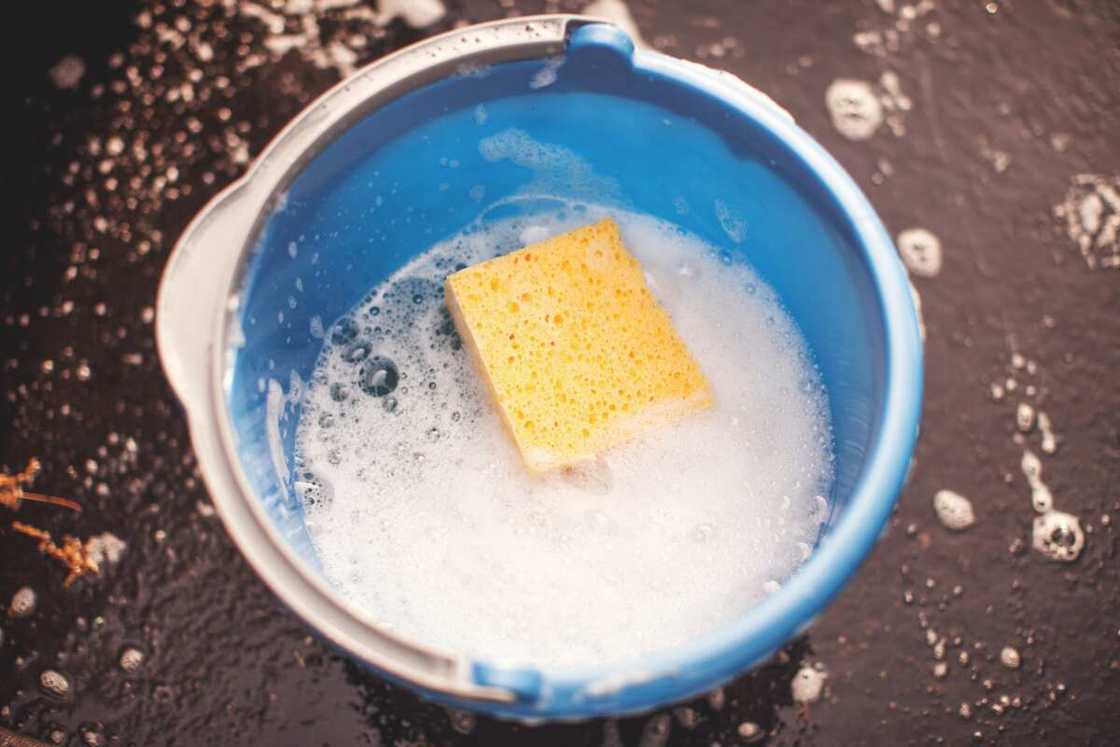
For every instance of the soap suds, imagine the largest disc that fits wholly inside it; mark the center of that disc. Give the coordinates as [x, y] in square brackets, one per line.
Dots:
[855, 109]
[921, 251]
[731, 222]
[555, 168]
[68, 72]
[1091, 211]
[858, 108]
[424, 516]
[546, 76]
[954, 511]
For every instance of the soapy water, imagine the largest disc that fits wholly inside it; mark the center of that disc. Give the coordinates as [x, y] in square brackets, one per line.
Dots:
[424, 516]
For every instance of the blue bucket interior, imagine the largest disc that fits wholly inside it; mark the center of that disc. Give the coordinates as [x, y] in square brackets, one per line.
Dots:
[411, 173]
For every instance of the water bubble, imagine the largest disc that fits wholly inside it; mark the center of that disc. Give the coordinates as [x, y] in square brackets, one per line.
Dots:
[340, 392]
[315, 491]
[389, 404]
[326, 420]
[1058, 536]
[432, 434]
[379, 376]
[344, 332]
[357, 352]
[374, 311]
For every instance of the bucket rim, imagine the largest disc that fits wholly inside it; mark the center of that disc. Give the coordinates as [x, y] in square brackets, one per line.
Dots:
[524, 692]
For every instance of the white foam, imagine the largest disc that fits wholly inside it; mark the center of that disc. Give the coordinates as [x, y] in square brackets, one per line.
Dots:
[424, 516]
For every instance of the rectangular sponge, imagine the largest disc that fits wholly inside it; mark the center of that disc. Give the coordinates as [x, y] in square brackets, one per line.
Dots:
[577, 353]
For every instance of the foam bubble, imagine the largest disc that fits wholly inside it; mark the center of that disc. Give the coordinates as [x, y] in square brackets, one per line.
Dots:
[424, 516]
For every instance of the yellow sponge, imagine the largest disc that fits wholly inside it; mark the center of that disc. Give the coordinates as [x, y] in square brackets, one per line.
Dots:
[577, 353]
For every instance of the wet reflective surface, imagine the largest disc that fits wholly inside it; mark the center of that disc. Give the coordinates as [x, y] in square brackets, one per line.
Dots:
[988, 126]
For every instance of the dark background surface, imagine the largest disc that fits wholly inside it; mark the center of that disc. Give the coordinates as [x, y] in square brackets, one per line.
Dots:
[1002, 105]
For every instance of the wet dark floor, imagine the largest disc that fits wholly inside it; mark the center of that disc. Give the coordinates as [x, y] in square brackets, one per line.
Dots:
[993, 126]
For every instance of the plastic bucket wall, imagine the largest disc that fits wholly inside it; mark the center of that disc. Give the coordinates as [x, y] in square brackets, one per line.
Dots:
[652, 135]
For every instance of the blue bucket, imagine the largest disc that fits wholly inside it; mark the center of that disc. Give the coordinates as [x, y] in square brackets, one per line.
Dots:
[388, 163]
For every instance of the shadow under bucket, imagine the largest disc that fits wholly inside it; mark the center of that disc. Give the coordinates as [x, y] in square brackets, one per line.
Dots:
[388, 163]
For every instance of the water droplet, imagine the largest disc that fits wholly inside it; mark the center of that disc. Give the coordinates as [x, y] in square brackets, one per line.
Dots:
[315, 491]
[344, 332]
[1010, 658]
[379, 376]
